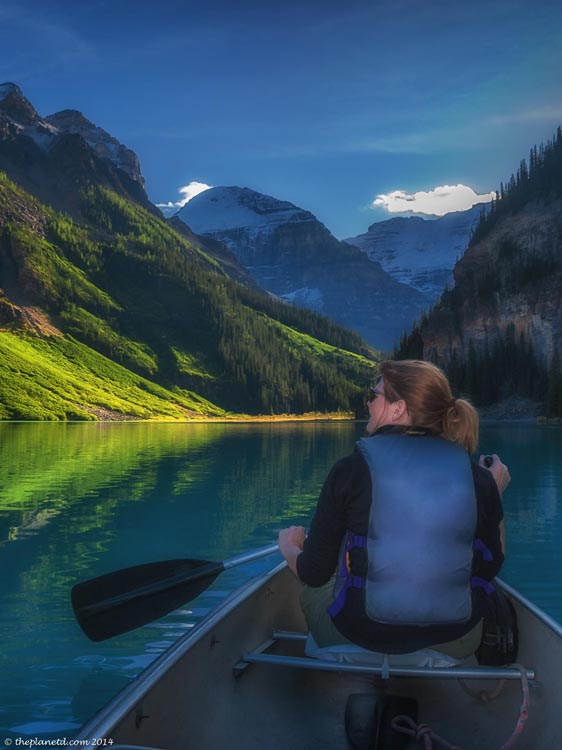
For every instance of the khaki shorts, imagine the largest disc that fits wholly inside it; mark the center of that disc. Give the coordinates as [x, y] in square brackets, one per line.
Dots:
[315, 602]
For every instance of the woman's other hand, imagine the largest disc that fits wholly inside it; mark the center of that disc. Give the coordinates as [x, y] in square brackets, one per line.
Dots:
[291, 542]
[499, 471]
[294, 536]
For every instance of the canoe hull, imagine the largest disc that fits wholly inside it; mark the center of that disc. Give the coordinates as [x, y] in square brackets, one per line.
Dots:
[189, 697]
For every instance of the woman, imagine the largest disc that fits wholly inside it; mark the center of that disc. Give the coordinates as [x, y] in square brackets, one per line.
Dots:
[413, 529]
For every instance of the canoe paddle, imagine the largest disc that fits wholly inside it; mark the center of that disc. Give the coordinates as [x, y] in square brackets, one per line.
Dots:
[126, 599]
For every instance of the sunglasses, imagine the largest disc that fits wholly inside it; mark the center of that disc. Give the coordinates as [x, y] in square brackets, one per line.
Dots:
[372, 393]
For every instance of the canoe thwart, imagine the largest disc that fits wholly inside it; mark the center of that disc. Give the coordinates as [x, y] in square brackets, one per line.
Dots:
[455, 673]
[384, 670]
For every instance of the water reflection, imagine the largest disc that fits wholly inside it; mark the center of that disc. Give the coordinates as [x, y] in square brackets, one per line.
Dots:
[84, 499]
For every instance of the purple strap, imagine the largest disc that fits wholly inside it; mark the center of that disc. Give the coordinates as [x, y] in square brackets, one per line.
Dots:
[488, 587]
[353, 540]
[356, 540]
[337, 605]
[479, 546]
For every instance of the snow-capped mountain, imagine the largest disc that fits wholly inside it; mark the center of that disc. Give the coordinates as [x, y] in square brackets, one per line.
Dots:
[420, 252]
[291, 254]
[51, 156]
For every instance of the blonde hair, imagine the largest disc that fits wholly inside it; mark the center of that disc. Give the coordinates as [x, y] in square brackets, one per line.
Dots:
[427, 393]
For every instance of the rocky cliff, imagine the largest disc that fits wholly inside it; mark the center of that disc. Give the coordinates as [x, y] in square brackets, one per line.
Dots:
[53, 158]
[498, 331]
[104, 145]
[512, 276]
[215, 249]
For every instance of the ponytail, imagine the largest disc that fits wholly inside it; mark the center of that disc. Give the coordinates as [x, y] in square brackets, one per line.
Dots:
[460, 424]
[427, 393]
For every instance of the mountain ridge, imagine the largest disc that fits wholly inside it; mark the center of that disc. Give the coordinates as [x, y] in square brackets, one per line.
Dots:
[52, 163]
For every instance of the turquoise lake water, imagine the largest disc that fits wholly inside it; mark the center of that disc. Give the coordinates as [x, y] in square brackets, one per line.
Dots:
[79, 500]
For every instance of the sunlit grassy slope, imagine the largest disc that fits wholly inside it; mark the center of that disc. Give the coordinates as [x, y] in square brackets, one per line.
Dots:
[60, 378]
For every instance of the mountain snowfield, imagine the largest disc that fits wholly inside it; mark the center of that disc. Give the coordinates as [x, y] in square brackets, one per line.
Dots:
[226, 208]
[420, 252]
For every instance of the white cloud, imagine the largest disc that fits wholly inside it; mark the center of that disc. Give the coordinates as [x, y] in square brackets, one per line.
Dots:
[188, 192]
[439, 201]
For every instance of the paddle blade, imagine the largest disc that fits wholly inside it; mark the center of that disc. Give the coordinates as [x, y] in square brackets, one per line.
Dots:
[127, 599]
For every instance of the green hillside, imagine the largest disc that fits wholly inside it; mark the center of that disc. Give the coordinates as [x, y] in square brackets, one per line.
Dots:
[124, 316]
[59, 378]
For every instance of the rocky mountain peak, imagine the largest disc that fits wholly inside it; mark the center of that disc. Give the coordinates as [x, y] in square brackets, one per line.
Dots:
[67, 119]
[50, 157]
[104, 144]
[14, 104]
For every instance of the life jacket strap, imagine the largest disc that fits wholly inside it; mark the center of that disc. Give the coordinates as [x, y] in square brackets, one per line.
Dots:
[481, 583]
[357, 582]
[349, 580]
[479, 546]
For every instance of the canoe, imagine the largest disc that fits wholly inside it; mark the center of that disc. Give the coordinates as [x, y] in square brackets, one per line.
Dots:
[240, 679]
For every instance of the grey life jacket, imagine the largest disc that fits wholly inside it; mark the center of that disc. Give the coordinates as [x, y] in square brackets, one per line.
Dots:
[422, 525]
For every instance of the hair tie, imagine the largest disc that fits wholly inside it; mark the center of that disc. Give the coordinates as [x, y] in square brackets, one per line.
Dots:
[452, 402]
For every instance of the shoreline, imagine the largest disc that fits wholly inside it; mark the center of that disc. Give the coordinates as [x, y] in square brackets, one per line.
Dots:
[203, 419]
[528, 420]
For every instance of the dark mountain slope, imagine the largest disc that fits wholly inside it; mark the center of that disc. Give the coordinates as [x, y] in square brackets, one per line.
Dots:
[216, 250]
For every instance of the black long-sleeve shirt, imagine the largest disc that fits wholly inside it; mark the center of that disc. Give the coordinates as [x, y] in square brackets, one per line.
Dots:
[345, 504]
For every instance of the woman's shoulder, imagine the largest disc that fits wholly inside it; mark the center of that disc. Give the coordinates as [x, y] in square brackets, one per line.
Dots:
[349, 468]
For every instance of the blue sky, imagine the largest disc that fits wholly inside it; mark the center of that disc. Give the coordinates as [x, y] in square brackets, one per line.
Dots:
[326, 104]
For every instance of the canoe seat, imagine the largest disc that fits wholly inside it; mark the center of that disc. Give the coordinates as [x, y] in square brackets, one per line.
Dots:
[352, 654]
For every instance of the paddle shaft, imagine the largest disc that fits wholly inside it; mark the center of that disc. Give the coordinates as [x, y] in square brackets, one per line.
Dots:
[245, 557]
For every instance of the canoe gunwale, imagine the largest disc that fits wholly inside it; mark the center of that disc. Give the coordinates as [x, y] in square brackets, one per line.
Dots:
[533, 609]
[101, 724]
